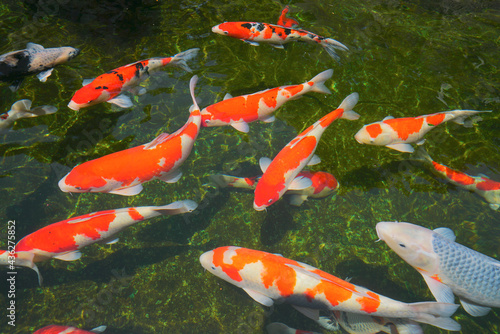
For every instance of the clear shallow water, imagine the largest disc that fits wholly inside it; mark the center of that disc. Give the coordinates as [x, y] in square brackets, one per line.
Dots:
[406, 59]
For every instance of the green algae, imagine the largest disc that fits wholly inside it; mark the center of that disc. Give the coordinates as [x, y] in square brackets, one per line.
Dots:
[405, 59]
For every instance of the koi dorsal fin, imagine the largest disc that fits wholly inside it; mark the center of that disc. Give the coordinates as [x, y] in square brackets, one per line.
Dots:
[446, 232]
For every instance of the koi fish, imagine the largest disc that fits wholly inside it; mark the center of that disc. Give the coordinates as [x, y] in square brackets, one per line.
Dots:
[356, 323]
[399, 133]
[447, 267]
[64, 239]
[280, 173]
[254, 33]
[239, 111]
[56, 329]
[108, 87]
[35, 59]
[280, 328]
[159, 159]
[22, 109]
[270, 278]
[323, 184]
[286, 22]
[481, 185]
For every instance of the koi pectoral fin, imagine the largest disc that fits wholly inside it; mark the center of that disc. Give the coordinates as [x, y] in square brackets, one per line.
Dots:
[259, 297]
[308, 312]
[42, 76]
[405, 148]
[440, 291]
[474, 309]
[129, 191]
[70, 256]
[250, 42]
[122, 101]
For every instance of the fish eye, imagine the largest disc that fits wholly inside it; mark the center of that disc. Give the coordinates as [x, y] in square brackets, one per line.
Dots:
[402, 245]
[270, 201]
[213, 268]
[78, 188]
[207, 121]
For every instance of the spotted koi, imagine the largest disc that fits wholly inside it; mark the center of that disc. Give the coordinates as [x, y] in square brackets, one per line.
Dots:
[447, 267]
[35, 59]
[399, 133]
[109, 86]
[481, 185]
[270, 278]
[64, 239]
[323, 184]
[241, 110]
[280, 174]
[159, 159]
[356, 323]
[254, 33]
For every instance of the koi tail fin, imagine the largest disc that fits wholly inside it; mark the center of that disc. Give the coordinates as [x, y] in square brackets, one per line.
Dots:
[224, 181]
[331, 45]
[347, 105]
[461, 115]
[176, 208]
[25, 259]
[318, 82]
[23, 109]
[422, 155]
[436, 314]
[180, 59]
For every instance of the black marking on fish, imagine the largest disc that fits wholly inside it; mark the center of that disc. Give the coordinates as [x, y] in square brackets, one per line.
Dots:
[260, 27]
[247, 25]
[139, 67]
[15, 66]
[101, 87]
[120, 76]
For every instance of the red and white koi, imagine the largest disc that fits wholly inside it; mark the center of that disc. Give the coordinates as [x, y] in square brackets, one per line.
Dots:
[399, 133]
[481, 185]
[447, 267]
[64, 239]
[270, 278]
[57, 329]
[22, 109]
[109, 86]
[254, 33]
[241, 110]
[280, 174]
[323, 184]
[124, 172]
[285, 21]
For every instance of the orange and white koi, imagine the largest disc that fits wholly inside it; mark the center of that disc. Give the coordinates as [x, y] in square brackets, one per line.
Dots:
[124, 172]
[22, 109]
[270, 278]
[57, 329]
[285, 21]
[241, 110]
[280, 328]
[399, 133]
[109, 86]
[447, 267]
[64, 239]
[481, 185]
[323, 184]
[280, 173]
[35, 59]
[254, 33]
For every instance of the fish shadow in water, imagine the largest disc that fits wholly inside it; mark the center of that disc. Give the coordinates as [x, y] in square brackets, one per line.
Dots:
[179, 229]
[278, 221]
[375, 278]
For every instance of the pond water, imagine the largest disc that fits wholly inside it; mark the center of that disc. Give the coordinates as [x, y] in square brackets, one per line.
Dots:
[406, 58]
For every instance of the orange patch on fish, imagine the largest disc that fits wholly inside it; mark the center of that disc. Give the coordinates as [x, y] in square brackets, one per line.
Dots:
[405, 126]
[435, 119]
[487, 185]
[436, 277]
[374, 130]
[369, 304]
[134, 214]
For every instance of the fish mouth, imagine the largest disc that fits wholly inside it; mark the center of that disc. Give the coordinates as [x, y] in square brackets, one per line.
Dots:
[73, 105]
[382, 229]
[259, 208]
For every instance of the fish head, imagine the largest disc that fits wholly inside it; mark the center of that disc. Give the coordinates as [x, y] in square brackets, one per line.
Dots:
[219, 262]
[88, 96]
[239, 30]
[373, 134]
[264, 199]
[81, 181]
[66, 53]
[411, 242]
